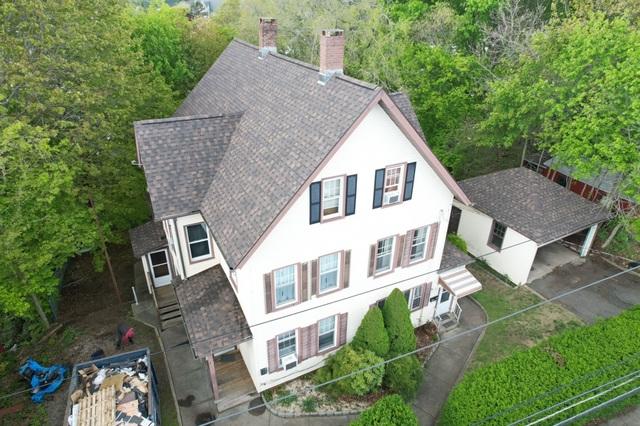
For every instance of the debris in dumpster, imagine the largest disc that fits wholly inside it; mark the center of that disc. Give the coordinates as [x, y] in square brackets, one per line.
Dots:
[43, 380]
[120, 390]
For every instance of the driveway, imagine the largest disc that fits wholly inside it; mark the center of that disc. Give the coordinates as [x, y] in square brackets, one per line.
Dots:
[599, 301]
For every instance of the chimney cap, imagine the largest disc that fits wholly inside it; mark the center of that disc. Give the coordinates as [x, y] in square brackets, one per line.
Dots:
[333, 32]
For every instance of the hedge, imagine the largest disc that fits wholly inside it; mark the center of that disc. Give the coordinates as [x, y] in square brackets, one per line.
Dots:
[404, 376]
[371, 333]
[388, 411]
[565, 365]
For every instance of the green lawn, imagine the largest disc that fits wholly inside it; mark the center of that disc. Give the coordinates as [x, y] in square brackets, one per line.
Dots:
[520, 332]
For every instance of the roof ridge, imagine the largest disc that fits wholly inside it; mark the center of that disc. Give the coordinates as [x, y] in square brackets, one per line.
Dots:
[312, 67]
[186, 118]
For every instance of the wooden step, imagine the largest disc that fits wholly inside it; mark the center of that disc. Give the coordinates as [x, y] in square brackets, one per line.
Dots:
[171, 316]
[169, 308]
[171, 322]
[227, 403]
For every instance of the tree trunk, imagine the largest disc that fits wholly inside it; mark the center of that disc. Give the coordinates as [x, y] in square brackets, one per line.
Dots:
[524, 152]
[539, 161]
[103, 244]
[41, 314]
[612, 235]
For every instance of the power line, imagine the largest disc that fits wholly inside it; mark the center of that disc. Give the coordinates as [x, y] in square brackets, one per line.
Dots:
[558, 388]
[599, 406]
[464, 333]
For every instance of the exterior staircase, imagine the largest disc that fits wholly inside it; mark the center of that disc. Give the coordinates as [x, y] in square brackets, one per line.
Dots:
[168, 307]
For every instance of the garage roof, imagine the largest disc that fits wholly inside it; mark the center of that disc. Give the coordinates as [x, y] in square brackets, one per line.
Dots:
[536, 207]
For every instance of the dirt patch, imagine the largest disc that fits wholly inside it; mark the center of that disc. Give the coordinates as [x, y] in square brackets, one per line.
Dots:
[425, 335]
[90, 313]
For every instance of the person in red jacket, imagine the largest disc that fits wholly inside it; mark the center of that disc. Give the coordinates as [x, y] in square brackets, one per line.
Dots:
[125, 335]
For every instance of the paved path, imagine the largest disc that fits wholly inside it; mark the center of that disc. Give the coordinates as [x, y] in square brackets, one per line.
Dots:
[447, 364]
[632, 418]
[600, 301]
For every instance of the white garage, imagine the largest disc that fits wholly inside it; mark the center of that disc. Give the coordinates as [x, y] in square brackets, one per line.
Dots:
[516, 219]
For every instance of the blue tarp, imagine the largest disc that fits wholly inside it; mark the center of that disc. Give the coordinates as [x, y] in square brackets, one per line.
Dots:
[44, 380]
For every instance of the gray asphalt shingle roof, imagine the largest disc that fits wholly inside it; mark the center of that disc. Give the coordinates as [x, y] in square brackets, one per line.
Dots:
[246, 139]
[147, 237]
[404, 104]
[453, 257]
[211, 312]
[536, 207]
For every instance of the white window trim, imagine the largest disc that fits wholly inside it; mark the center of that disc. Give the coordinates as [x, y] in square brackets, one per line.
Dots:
[295, 287]
[426, 242]
[295, 345]
[338, 272]
[412, 295]
[393, 250]
[208, 239]
[335, 337]
[341, 197]
[400, 183]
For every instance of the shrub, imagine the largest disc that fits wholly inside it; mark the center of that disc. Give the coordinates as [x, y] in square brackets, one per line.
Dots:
[345, 361]
[457, 241]
[390, 410]
[569, 363]
[310, 404]
[404, 376]
[402, 338]
[371, 333]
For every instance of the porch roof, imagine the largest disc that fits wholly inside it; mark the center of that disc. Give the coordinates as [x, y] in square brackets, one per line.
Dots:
[453, 257]
[212, 315]
[460, 283]
[147, 237]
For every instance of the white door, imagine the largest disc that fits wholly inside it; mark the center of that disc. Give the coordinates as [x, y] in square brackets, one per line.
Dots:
[160, 271]
[444, 302]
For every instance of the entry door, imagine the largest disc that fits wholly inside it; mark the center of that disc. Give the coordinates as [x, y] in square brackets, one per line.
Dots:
[160, 271]
[444, 302]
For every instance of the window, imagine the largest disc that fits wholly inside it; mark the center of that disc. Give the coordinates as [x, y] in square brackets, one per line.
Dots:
[392, 176]
[159, 263]
[285, 285]
[326, 333]
[329, 272]
[497, 235]
[414, 297]
[331, 197]
[286, 344]
[198, 241]
[418, 244]
[384, 253]
[444, 296]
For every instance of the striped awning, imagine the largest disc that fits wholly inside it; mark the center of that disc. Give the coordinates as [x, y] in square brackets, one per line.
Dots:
[460, 282]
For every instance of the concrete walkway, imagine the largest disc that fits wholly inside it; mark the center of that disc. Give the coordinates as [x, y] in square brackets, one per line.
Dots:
[448, 364]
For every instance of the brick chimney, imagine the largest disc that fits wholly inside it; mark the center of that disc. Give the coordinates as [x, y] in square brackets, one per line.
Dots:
[267, 36]
[331, 53]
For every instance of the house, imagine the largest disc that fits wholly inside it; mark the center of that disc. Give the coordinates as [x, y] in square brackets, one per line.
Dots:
[593, 189]
[516, 218]
[293, 198]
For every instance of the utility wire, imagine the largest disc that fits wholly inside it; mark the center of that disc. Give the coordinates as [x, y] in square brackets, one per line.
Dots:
[446, 339]
[557, 389]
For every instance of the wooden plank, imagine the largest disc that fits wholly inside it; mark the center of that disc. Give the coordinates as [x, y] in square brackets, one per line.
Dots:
[98, 409]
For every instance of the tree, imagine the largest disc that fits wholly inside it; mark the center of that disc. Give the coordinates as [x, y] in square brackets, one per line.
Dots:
[371, 333]
[41, 222]
[576, 96]
[389, 411]
[402, 338]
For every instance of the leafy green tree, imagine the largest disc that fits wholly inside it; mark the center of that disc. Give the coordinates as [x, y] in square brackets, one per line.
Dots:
[404, 376]
[161, 31]
[402, 338]
[371, 333]
[575, 96]
[389, 411]
[41, 222]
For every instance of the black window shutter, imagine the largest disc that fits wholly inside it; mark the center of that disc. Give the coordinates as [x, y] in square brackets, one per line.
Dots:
[378, 188]
[408, 181]
[352, 184]
[315, 195]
